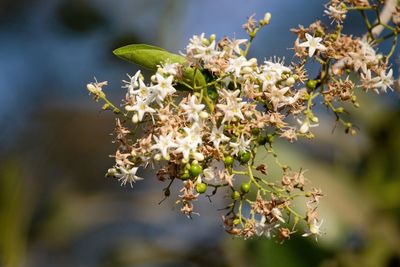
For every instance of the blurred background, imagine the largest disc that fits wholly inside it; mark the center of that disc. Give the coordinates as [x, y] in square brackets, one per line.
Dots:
[56, 207]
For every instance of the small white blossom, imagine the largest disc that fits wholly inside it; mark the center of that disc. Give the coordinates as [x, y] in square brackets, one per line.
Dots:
[277, 214]
[190, 142]
[313, 44]
[263, 228]
[240, 145]
[141, 107]
[126, 175]
[217, 136]
[369, 82]
[132, 84]
[232, 108]
[277, 96]
[235, 65]
[386, 80]
[163, 143]
[211, 174]
[314, 229]
[206, 53]
[193, 109]
[306, 125]
[164, 87]
[236, 45]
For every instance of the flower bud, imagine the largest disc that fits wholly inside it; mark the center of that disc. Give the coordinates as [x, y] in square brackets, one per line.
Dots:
[203, 114]
[212, 37]
[111, 172]
[314, 119]
[266, 19]
[290, 81]
[252, 61]
[91, 88]
[198, 156]
[135, 118]
[157, 157]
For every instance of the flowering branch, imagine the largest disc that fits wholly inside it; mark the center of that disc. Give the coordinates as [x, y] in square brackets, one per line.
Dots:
[206, 114]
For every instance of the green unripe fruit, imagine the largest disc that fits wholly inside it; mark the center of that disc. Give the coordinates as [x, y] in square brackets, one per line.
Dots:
[185, 175]
[235, 195]
[201, 188]
[255, 131]
[261, 140]
[195, 170]
[270, 138]
[245, 188]
[212, 93]
[311, 84]
[245, 157]
[228, 160]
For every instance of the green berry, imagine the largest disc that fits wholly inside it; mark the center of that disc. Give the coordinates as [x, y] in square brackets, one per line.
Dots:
[245, 187]
[212, 93]
[185, 175]
[201, 188]
[235, 195]
[261, 140]
[311, 84]
[228, 160]
[195, 170]
[255, 131]
[270, 138]
[245, 157]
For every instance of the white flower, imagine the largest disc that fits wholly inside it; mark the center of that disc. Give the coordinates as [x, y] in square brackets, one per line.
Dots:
[168, 68]
[141, 107]
[232, 108]
[184, 147]
[217, 136]
[164, 87]
[192, 109]
[126, 175]
[336, 13]
[190, 142]
[276, 213]
[163, 143]
[262, 228]
[313, 44]
[314, 229]
[276, 67]
[236, 45]
[386, 80]
[132, 84]
[206, 53]
[306, 125]
[364, 56]
[144, 92]
[211, 174]
[235, 65]
[368, 82]
[277, 96]
[240, 146]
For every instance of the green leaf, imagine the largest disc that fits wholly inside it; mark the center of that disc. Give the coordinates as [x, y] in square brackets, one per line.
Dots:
[150, 57]
[147, 56]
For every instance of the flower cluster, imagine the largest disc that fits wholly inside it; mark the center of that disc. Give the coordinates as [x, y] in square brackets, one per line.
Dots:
[204, 131]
